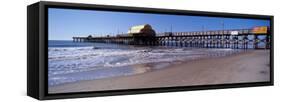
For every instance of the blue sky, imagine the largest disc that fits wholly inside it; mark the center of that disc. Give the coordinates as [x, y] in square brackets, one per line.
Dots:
[66, 23]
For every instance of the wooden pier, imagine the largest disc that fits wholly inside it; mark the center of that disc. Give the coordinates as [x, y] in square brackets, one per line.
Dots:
[234, 38]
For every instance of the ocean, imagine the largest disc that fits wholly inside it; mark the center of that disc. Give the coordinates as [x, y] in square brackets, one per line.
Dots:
[76, 61]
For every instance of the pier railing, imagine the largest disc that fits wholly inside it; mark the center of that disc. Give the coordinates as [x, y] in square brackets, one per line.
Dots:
[235, 38]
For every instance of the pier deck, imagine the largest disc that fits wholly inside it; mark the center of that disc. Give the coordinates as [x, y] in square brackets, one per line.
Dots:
[236, 39]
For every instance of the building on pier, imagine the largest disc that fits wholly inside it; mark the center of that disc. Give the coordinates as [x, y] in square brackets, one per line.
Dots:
[141, 30]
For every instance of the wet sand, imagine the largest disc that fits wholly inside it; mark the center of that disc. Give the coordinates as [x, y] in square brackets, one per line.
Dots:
[249, 66]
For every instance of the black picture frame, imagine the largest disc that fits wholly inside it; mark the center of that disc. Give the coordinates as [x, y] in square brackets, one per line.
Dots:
[37, 49]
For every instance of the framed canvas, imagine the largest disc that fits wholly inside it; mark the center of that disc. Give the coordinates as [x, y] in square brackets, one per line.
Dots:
[81, 50]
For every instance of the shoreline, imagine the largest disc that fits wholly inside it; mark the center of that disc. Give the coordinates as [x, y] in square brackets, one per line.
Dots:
[249, 66]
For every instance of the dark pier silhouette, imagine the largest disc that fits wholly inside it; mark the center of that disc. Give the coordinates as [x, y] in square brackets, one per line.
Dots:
[233, 38]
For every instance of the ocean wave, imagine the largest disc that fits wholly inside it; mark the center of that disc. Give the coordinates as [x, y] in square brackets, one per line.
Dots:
[88, 58]
[68, 60]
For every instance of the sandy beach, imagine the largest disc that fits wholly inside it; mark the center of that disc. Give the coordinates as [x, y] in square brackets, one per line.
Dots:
[248, 66]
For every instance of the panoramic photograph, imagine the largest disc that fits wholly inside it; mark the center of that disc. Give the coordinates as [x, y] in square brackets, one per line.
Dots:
[92, 50]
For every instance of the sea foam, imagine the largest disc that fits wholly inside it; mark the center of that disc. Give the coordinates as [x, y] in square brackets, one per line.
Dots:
[70, 64]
